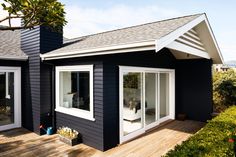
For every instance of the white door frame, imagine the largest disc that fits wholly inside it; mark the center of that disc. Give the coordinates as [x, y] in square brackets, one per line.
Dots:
[171, 115]
[17, 97]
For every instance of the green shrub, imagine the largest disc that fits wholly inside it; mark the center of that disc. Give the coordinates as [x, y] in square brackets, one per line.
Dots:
[211, 140]
[224, 89]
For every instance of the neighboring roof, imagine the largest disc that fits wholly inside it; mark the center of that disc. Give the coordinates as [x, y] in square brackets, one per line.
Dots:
[143, 36]
[10, 47]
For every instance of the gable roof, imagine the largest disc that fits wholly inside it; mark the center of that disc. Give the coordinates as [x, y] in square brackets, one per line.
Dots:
[10, 46]
[135, 38]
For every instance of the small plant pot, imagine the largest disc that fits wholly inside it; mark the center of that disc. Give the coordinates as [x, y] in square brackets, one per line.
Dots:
[69, 141]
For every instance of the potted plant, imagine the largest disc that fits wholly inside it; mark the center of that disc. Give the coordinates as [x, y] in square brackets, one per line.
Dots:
[69, 136]
[232, 139]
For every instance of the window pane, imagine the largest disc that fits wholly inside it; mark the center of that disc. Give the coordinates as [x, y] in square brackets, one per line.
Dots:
[6, 98]
[150, 98]
[74, 90]
[132, 110]
[164, 95]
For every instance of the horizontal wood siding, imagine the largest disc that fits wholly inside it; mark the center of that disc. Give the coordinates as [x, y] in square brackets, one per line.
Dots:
[38, 81]
[194, 88]
[92, 131]
[49, 40]
[162, 59]
[30, 44]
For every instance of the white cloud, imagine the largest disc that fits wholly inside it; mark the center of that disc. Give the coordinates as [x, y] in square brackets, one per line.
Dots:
[83, 21]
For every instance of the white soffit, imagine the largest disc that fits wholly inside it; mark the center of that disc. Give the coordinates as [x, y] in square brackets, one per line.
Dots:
[194, 40]
[189, 43]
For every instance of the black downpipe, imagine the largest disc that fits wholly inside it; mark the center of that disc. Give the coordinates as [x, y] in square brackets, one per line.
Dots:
[53, 98]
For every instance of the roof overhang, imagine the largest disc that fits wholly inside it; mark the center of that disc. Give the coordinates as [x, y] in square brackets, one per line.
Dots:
[193, 40]
[15, 58]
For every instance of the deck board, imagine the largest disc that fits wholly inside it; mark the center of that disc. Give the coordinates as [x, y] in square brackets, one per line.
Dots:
[21, 142]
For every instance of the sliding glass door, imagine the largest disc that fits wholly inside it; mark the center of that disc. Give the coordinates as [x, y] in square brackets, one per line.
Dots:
[9, 98]
[144, 99]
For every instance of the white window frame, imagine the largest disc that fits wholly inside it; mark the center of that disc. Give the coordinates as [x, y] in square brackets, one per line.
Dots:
[89, 115]
[17, 97]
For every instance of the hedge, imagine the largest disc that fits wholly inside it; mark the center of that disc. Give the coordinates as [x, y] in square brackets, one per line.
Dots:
[211, 140]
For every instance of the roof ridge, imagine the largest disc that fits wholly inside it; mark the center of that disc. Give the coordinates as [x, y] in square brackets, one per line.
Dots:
[179, 17]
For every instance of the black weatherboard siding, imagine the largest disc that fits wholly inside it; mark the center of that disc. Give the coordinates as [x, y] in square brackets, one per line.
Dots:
[103, 133]
[38, 76]
[194, 88]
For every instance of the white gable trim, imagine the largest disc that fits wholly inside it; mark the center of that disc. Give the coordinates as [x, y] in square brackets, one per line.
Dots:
[187, 49]
[166, 40]
[156, 44]
[14, 58]
[133, 47]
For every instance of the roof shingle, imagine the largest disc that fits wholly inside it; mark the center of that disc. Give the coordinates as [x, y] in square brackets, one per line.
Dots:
[10, 45]
[134, 34]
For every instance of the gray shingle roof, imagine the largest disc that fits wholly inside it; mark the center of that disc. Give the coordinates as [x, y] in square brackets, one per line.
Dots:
[134, 34]
[10, 45]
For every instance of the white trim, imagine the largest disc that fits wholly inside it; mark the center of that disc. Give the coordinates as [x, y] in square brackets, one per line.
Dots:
[190, 44]
[193, 31]
[187, 49]
[166, 40]
[17, 97]
[133, 47]
[214, 39]
[14, 58]
[192, 36]
[192, 40]
[89, 115]
[144, 70]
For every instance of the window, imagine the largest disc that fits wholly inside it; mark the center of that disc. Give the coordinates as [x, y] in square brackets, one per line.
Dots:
[74, 90]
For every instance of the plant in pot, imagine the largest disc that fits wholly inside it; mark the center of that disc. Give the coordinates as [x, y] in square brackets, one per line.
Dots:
[69, 136]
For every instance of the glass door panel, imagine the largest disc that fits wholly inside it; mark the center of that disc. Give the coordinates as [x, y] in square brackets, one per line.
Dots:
[150, 98]
[6, 98]
[164, 95]
[132, 102]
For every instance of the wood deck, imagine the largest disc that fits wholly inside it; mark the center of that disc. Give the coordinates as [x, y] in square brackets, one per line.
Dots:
[20, 142]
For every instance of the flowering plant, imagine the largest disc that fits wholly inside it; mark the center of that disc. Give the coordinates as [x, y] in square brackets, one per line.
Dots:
[232, 138]
[67, 132]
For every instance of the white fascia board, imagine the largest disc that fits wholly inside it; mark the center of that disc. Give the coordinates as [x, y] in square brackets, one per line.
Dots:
[14, 58]
[100, 53]
[164, 41]
[214, 39]
[188, 49]
[141, 46]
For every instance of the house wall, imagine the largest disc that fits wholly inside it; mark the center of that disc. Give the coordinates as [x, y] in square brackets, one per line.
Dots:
[103, 133]
[194, 88]
[38, 76]
[162, 59]
[92, 131]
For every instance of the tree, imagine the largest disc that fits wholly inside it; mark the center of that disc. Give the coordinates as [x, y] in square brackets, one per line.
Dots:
[34, 13]
[224, 89]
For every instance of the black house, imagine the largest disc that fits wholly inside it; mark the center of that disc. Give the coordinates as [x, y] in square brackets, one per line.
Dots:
[111, 86]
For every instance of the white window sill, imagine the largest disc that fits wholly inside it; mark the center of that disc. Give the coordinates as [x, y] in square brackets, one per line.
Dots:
[77, 113]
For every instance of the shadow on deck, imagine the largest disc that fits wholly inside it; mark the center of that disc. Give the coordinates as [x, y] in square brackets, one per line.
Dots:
[21, 142]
